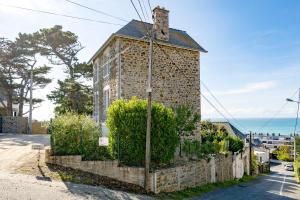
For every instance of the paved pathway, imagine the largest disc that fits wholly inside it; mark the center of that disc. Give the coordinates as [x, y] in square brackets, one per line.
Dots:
[279, 185]
[15, 150]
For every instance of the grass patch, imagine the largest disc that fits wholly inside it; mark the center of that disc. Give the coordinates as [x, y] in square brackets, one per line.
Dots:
[200, 190]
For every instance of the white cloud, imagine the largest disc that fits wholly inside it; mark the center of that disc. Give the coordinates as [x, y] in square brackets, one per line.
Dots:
[252, 87]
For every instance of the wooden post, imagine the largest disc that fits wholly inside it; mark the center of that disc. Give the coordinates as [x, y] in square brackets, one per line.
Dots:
[250, 154]
[30, 102]
[148, 133]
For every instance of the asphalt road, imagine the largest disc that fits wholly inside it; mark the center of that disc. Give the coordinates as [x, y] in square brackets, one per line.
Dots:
[280, 184]
[16, 150]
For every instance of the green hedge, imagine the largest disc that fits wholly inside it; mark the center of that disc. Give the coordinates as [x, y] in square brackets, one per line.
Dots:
[297, 169]
[73, 134]
[127, 121]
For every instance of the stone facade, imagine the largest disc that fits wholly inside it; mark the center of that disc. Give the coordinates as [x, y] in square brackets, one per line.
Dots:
[175, 82]
[195, 173]
[14, 124]
[121, 66]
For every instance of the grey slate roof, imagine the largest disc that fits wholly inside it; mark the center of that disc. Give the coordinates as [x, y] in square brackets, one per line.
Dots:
[231, 129]
[137, 30]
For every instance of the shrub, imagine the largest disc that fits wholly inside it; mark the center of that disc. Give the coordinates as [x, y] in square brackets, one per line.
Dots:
[73, 134]
[127, 120]
[186, 121]
[297, 169]
[219, 135]
[235, 144]
[194, 149]
[283, 153]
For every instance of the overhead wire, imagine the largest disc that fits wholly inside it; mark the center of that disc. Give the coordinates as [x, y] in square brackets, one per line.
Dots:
[222, 106]
[61, 15]
[277, 112]
[96, 10]
[149, 19]
[167, 55]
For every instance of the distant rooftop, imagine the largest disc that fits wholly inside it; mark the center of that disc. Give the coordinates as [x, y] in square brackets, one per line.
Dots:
[230, 129]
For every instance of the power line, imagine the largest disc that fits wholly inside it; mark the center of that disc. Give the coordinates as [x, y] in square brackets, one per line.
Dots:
[277, 112]
[219, 103]
[61, 15]
[223, 107]
[97, 11]
[142, 10]
[174, 62]
[150, 8]
[214, 106]
[137, 12]
[146, 11]
[187, 78]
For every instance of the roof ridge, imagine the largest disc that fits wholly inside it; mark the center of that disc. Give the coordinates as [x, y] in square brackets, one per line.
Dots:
[152, 24]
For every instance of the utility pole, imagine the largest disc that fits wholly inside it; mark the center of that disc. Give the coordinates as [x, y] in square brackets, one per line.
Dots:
[296, 123]
[250, 154]
[148, 133]
[30, 102]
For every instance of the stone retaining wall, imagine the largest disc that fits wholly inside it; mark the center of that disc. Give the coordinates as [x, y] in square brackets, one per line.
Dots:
[195, 173]
[14, 124]
[107, 168]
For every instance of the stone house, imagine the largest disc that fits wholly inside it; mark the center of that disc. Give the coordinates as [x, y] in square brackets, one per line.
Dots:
[121, 64]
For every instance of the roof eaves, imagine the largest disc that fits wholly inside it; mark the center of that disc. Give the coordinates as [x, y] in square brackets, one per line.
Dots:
[101, 48]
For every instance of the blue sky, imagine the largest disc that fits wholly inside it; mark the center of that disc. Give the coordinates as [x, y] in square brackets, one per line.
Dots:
[253, 59]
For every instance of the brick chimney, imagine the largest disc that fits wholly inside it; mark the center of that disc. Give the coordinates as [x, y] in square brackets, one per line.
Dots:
[161, 23]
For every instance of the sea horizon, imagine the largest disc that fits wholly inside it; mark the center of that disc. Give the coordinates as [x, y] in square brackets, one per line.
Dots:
[282, 125]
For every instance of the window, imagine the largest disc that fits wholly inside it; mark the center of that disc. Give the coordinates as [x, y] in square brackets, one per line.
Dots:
[106, 99]
[106, 70]
[97, 73]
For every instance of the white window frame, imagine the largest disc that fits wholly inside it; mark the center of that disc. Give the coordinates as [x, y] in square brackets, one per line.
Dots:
[106, 98]
[106, 69]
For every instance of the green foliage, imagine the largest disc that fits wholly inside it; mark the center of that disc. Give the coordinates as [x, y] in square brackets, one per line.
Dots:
[73, 134]
[71, 96]
[62, 48]
[127, 130]
[235, 144]
[297, 169]
[254, 162]
[193, 148]
[214, 140]
[298, 145]
[284, 153]
[17, 58]
[186, 120]
[219, 135]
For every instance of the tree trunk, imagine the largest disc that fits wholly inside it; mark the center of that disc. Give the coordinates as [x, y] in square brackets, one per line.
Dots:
[21, 102]
[9, 106]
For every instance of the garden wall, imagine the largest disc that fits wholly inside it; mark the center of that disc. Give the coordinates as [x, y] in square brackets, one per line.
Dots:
[14, 124]
[217, 169]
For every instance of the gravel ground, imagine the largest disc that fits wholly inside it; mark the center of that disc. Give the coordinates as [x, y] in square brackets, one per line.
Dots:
[17, 158]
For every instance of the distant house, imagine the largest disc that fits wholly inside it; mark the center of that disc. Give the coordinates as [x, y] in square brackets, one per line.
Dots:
[262, 154]
[120, 65]
[232, 130]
